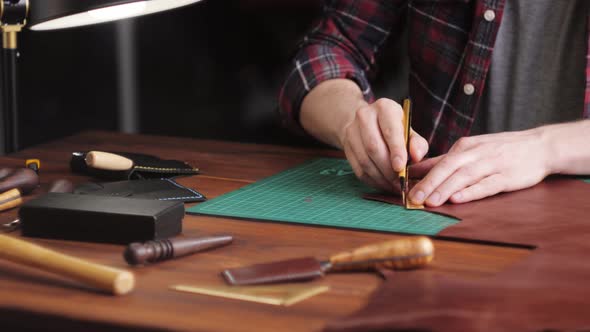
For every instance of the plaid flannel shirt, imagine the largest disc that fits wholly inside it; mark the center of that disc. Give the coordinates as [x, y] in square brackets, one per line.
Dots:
[450, 50]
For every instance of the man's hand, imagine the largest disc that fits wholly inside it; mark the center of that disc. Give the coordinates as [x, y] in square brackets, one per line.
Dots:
[375, 146]
[371, 135]
[480, 166]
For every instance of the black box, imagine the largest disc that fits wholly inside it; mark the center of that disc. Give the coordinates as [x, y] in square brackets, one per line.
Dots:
[100, 218]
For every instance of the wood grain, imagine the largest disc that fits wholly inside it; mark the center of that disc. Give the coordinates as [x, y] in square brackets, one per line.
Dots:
[30, 298]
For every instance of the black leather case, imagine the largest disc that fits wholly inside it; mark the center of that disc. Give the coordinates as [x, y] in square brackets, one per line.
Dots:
[160, 189]
[100, 218]
[145, 167]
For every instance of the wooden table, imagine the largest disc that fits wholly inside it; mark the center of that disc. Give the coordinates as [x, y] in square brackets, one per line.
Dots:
[31, 299]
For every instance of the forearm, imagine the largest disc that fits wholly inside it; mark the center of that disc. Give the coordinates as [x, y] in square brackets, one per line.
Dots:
[568, 147]
[329, 107]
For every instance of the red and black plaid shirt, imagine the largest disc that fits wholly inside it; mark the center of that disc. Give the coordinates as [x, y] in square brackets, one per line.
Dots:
[450, 50]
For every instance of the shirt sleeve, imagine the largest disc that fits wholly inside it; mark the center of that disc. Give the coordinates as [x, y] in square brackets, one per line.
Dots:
[343, 44]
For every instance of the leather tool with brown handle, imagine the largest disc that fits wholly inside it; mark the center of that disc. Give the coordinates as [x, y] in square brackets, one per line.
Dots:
[16, 184]
[13, 198]
[405, 253]
[105, 278]
[4, 172]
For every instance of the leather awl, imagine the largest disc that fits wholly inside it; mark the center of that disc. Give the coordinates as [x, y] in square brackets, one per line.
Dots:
[406, 253]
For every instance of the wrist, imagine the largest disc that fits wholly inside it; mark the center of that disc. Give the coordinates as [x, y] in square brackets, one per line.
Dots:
[329, 108]
[549, 148]
[566, 148]
[342, 129]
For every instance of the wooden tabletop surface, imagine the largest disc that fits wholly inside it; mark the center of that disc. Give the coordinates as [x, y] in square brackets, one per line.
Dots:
[34, 299]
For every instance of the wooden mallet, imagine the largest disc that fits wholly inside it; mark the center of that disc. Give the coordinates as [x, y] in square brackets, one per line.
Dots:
[105, 278]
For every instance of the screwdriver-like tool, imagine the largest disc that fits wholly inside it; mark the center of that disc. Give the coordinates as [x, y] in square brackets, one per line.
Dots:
[154, 251]
[404, 175]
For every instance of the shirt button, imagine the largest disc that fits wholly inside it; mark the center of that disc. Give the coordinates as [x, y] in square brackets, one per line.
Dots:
[489, 15]
[469, 89]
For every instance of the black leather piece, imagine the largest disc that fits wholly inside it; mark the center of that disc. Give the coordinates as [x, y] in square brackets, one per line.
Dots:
[160, 189]
[145, 167]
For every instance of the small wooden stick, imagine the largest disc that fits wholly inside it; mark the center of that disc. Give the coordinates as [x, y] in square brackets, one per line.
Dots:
[105, 278]
[10, 199]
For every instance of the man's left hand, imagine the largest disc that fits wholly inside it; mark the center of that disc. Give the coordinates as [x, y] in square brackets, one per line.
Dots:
[480, 166]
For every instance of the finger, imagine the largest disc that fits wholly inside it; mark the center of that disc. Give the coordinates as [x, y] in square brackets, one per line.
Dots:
[393, 187]
[488, 186]
[438, 174]
[390, 118]
[367, 171]
[358, 170]
[373, 143]
[464, 177]
[356, 167]
[502, 136]
[422, 168]
[418, 146]
[466, 143]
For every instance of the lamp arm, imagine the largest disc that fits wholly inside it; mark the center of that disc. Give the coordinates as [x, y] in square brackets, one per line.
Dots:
[13, 14]
[9, 104]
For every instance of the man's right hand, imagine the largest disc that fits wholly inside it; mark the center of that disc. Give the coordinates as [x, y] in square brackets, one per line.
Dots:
[371, 135]
[374, 144]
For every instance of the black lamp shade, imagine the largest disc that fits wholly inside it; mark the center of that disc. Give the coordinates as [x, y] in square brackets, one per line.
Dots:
[59, 14]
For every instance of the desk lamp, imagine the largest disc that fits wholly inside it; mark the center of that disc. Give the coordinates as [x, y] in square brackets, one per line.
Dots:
[52, 15]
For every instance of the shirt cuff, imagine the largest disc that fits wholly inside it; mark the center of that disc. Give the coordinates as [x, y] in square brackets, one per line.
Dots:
[303, 78]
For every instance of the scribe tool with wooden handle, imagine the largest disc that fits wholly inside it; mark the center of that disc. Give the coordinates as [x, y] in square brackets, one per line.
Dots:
[401, 254]
[105, 278]
[108, 161]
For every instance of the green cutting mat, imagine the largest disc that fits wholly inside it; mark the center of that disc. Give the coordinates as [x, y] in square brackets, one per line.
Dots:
[321, 192]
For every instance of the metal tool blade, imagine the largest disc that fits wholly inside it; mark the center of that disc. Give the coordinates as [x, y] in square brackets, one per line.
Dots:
[10, 227]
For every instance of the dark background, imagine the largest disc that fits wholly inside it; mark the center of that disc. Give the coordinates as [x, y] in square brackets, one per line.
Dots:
[210, 70]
